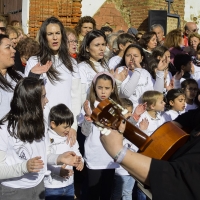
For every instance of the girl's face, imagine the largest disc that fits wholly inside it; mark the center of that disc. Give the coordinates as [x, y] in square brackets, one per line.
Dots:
[167, 54]
[85, 28]
[152, 43]
[191, 91]
[44, 99]
[133, 56]
[53, 35]
[72, 43]
[178, 104]
[7, 54]
[97, 48]
[194, 41]
[103, 89]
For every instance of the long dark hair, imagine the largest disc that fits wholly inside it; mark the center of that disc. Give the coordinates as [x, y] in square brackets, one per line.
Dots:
[25, 118]
[4, 84]
[84, 55]
[46, 53]
[123, 63]
[93, 95]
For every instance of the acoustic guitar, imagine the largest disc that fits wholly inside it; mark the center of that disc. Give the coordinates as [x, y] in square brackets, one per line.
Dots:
[162, 144]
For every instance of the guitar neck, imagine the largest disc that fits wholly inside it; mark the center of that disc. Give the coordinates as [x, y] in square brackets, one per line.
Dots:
[136, 136]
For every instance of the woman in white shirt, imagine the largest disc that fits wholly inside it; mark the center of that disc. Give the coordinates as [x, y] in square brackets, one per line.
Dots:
[62, 78]
[8, 76]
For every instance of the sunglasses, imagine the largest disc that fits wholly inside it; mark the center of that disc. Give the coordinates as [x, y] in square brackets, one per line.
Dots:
[195, 30]
[3, 29]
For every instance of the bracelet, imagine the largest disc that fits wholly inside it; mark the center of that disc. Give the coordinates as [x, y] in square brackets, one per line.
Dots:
[120, 155]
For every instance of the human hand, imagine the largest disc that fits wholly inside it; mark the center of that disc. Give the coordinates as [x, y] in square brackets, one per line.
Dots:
[121, 76]
[87, 108]
[170, 86]
[80, 166]
[65, 173]
[40, 69]
[143, 125]
[140, 109]
[71, 137]
[35, 164]
[163, 64]
[69, 158]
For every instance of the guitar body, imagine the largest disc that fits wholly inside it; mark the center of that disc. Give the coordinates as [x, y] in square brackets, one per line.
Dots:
[166, 140]
[162, 144]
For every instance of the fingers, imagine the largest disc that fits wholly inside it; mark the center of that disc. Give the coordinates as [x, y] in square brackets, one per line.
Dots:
[122, 127]
[35, 164]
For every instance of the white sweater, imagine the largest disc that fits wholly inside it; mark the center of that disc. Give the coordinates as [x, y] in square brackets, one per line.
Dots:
[59, 146]
[66, 91]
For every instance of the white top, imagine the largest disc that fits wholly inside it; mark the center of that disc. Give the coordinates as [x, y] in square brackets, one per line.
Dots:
[87, 73]
[59, 146]
[63, 91]
[190, 107]
[154, 123]
[171, 115]
[114, 61]
[96, 156]
[144, 84]
[18, 152]
[196, 75]
[6, 97]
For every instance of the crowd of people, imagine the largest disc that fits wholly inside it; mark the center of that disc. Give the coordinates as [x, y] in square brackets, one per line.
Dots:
[50, 147]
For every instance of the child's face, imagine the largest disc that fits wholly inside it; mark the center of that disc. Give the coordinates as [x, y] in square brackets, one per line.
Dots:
[103, 89]
[178, 104]
[130, 111]
[191, 91]
[61, 129]
[160, 105]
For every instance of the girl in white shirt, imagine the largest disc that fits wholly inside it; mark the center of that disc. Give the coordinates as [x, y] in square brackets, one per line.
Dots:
[100, 166]
[190, 89]
[175, 102]
[24, 144]
[139, 79]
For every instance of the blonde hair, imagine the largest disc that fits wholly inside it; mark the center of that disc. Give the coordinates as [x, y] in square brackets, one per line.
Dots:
[150, 97]
[173, 38]
[193, 35]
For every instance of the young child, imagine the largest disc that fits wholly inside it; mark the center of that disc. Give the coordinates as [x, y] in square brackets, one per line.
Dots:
[99, 165]
[59, 185]
[123, 41]
[123, 181]
[155, 105]
[190, 89]
[175, 103]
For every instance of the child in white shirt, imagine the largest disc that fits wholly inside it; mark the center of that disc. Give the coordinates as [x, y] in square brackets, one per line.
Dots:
[155, 105]
[175, 102]
[59, 184]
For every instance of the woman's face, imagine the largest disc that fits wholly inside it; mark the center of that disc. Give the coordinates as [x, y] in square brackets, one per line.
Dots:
[133, 56]
[167, 54]
[54, 37]
[7, 54]
[85, 28]
[152, 43]
[96, 48]
[72, 43]
[194, 41]
[182, 40]
[14, 39]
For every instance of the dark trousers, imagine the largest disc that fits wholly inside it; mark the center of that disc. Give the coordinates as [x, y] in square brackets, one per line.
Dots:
[100, 183]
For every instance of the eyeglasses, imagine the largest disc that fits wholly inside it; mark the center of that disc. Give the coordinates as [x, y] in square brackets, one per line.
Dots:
[3, 29]
[192, 89]
[195, 30]
[73, 41]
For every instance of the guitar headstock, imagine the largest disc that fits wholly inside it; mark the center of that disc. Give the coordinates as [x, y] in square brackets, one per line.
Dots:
[108, 114]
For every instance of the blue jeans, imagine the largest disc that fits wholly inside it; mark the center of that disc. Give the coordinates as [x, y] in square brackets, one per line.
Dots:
[65, 193]
[123, 187]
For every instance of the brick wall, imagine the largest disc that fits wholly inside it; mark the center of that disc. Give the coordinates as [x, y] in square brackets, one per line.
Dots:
[68, 11]
[135, 13]
[109, 15]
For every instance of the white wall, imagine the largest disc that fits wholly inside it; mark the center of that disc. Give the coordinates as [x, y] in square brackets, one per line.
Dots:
[192, 10]
[90, 7]
[25, 15]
